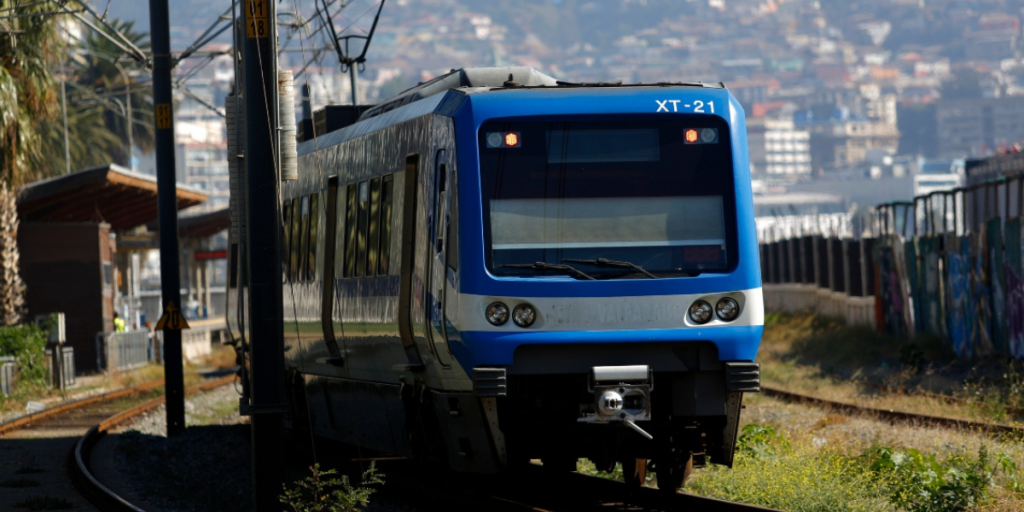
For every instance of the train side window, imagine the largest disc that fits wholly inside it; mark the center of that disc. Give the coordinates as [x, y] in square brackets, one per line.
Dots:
[293, 256]
[387, 193]
[314, 233]
[351, 207]
[453, 229]
[442, 175]
[364, 211]
[303, 239]
[340, 227]
[373, 231]
[287, 240]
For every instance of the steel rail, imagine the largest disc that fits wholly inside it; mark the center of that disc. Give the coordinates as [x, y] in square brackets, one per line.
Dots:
[87, 483]
[29, 419]
[896, 416]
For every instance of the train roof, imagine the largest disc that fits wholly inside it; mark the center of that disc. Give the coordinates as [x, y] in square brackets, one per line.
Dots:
[484, 79]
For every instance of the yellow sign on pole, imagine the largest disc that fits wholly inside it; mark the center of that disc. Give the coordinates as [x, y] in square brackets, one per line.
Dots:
[172, 319]
[256, 24]
[163, 116]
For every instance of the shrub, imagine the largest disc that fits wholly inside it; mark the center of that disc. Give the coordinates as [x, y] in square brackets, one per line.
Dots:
[918, 482]
[28, 344]
[797, 480]
[324, 492]
[758, 440]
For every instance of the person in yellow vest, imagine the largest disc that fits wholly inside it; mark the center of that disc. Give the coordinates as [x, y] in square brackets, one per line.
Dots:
[118, 323]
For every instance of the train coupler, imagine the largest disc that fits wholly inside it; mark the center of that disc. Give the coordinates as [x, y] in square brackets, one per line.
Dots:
[622, 394]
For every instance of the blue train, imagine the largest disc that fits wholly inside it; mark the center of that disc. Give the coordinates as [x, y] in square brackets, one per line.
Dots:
[495, 266]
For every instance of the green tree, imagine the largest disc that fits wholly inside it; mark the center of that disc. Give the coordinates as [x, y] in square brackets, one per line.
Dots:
[102, 68]
[29, 49]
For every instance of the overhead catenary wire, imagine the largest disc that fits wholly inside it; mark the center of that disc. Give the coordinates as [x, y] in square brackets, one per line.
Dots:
[134, 50]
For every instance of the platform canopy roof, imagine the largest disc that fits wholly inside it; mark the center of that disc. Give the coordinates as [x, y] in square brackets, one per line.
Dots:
[108, 193]
[203, 225]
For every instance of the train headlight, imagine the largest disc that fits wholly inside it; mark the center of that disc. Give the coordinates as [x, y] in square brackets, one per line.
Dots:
[497, 314]
[727, 309]
[524, 315]
[700, 312]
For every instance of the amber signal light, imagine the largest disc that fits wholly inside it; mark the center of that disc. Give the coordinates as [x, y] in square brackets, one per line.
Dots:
[691, 136]
[511, 139]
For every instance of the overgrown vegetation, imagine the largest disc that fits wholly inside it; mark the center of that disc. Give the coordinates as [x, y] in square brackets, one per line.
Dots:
[823, 357]
[919, 482]
[770, 472]
[325, 491]
[27, 344]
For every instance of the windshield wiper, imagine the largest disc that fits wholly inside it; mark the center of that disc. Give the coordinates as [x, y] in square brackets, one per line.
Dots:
[540, 265]
[602, 262]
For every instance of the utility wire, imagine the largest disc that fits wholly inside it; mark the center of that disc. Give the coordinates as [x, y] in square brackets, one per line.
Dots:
[135, 52]
[203, 39]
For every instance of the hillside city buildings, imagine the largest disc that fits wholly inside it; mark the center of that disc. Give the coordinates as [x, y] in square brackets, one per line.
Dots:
[833, 91]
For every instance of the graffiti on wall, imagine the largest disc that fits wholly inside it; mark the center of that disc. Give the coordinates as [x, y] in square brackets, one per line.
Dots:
[1014, 313]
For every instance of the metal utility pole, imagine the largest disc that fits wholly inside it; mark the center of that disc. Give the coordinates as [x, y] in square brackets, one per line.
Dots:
[167, 204]
[266, 330]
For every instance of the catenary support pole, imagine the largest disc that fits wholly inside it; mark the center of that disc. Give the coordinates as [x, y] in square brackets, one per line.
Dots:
[266, 329]
[167, 204]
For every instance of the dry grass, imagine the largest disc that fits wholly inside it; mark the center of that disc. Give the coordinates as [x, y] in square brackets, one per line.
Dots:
[818, 356]
[822, 473]
[220, 356]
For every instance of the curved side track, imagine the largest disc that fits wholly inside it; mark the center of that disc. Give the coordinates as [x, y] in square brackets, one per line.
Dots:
[30, 419]
[535, 490]
[83, 478]
[891, 415]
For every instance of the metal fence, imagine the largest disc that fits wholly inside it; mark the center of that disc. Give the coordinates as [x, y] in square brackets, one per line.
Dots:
[122, 351]
[948, 264]
[62, 372]
[7, 367]
[831, 276]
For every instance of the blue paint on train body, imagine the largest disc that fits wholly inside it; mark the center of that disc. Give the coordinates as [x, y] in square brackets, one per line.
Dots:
[489, 348]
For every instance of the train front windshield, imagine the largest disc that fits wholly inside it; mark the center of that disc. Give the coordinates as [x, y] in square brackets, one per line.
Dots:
[655, 193]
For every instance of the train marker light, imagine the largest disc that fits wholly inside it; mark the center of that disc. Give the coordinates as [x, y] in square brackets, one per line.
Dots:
[503, 140]
[727, 309]
[524, 315]
[691, 136]
[709, 135]
[497, 314]
[700, 312]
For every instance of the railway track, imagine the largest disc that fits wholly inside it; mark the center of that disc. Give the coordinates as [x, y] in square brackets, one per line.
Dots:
[532, 490]
[896, 416]
[79, 466]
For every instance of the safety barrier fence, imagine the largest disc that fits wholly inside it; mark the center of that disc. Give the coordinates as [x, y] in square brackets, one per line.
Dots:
[8, 366]
[830, 276]
[948, 264]
[62, 371]
[61, 374]
[121, 351]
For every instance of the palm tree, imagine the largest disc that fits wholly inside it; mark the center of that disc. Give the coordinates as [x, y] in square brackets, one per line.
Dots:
[90, 143]
[29, 49]
[98, 66]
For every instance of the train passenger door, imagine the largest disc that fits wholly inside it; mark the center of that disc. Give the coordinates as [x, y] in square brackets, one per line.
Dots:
[437, 253]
